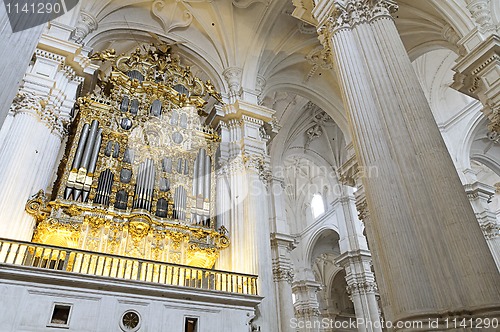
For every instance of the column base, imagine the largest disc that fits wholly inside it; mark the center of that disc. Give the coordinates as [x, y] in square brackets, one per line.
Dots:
[480, 319]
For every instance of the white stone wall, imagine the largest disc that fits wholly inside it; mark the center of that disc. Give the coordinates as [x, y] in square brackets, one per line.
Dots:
[28, 296]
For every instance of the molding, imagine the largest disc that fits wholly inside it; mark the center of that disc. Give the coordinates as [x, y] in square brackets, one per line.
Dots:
[34, 276]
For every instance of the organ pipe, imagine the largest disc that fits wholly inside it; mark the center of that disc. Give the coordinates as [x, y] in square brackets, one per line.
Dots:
[207, 178]
[76, 161]
[195, 176]
[90, 145]
[92, 166]
[81, 146]
[201, 170]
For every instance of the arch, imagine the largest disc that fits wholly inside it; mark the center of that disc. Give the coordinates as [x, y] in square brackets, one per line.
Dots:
[313, 240]
[333, 105]
[476, 126]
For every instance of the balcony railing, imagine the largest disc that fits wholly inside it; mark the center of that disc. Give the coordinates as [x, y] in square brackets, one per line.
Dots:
[112, 266]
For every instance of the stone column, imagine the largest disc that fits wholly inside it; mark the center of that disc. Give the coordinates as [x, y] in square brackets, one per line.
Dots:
[417, 205]
[28, 157]
[356, 260]
[480, 196]
[40, 114]
[16, 50]
[307, 315]
[281, 246]
[245, 211]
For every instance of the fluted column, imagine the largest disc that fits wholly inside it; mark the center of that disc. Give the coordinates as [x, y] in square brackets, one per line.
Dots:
[244, 168]
[28, 159]
[417, 205]
[281, 246]
[40, 114]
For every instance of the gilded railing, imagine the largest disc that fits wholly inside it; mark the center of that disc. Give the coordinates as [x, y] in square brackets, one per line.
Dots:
[112, 266]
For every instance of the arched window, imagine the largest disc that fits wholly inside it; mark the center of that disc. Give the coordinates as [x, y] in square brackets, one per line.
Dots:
[317, 205]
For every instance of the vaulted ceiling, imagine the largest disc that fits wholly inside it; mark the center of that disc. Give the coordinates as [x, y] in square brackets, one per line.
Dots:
[275, 52]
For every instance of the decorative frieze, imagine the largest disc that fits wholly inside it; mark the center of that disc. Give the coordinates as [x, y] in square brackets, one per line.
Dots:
[307, 312]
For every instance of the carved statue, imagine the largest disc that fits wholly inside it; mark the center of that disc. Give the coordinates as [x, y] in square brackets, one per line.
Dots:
[108, 54]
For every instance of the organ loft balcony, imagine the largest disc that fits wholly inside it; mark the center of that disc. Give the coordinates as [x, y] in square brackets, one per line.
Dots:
[134, 197]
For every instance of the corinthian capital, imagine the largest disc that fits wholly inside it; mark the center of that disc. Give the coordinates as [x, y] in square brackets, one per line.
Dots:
[346, 14]
[40, 108]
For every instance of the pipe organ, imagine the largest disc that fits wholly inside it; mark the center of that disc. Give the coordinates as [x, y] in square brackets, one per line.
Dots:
[138, 175]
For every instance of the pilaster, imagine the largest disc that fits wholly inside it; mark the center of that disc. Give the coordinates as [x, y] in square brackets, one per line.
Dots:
[244, 162]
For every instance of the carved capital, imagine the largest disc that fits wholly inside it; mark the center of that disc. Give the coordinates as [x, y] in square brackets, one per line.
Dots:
[353, 12]
[37, 106]
[233, 79]
[481, 14]
[491, 230]
[365, 287]
[281, 273]
[85, 25]
[307, 312]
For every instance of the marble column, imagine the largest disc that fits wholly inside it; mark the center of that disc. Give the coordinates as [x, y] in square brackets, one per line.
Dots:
[28, 158]
[356, 260]
[418, 209]
[16, 50]
[40, 114]
[281, 245]
[244, 176]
